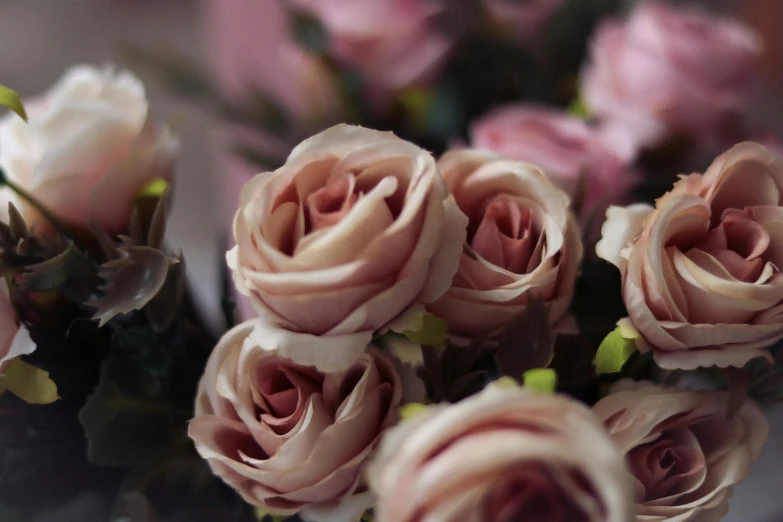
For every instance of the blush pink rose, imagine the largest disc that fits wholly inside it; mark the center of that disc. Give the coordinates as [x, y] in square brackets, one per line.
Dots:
[684, 450]
[356, 227]
[701, 277]
[393, 43]
[289, 438]
[563, 146]
[522, 241]
[15, 338]
[87, 151]
[669, 71]
[501, 455]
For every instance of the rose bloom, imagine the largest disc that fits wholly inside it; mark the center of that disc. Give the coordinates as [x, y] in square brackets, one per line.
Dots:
[700, 272]
[683, 449]
[669, 71]
[522, 241]
[563, 146]
[394, 43]
[15, 338]
[501, 455]
[287, 437]
[352, 230]
[87, 151]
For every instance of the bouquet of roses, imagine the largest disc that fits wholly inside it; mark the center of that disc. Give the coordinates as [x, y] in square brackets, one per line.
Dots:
[448, 337]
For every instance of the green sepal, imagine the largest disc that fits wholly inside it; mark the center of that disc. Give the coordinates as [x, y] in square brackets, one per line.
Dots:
[28, 382]
[540, 379]
[412, 409]
[615, 350]
[9, 98]
[431, 331]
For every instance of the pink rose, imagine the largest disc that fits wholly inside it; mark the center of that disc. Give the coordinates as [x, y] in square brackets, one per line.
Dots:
[287, 437]
[563, 146]
[88, 150]
[522, 241]
[683, 449]
[501, 455]
[15, 339]
[394, 43]
[527, 17]
[353, 229]
[667, 71]
[700, 272]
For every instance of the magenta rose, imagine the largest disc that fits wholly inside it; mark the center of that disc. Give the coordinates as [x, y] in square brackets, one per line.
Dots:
[522, 242]
[288, 438]
[701, 271]
[668, 71]
[684, 450]
[393, 43]
[500, 456]
[564, 147]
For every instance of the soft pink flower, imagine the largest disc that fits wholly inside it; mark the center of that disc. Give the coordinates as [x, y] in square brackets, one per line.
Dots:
[88, 150]
[563, 146]
[668, 71]
[394, 43]
[684, 450]
[522, 241]
[501, 455]
[15, 339]
[701, 276]
[287, 437]
[356, 227]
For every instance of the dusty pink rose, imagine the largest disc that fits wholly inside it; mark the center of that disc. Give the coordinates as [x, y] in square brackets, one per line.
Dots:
[526, 17]
[88, 150]
[700, 272]
[353, 229]
[14, 337]
[393, 43]
[502, 455]
[683, 449]
[669, 71]
[522, 241]
[287, 437]
[563, 146]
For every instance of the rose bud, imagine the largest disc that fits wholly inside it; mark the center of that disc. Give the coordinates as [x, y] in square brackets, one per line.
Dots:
[684, 450]
[701, 277]
[89, 149]
[501, 455]
[289, 438]
[356, 227]
[522, 241]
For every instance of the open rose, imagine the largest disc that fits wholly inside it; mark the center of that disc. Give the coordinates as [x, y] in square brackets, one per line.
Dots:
[668, 71]
[287, 437]
[522, 241]
[14, 337]
[88, 150]
[683, 449]
[563, 146]
[501, 455]
[394, 43]
[353, 229]
[701, 276]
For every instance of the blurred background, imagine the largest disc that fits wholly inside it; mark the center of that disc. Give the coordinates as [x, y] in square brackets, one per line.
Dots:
[246, 43]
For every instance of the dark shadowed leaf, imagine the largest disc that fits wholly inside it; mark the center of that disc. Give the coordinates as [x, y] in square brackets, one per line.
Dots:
[132, 281]
[738, 381]
[134, 507]
[456, 372]
[16, 224]
[163, 309]
[527, 342]
[157, 226]
[71, 265]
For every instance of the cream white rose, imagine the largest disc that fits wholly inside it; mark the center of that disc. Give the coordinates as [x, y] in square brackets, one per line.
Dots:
[353, 229]
[87, 151]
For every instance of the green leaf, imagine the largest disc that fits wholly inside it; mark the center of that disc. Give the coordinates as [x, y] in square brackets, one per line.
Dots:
[412, 409]
[29, 383]
[615, 350]
[540, 379]
[430, 330]
[263, 515]
[10, 99]
[124, 430]
[578, 109]
[526, 342]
